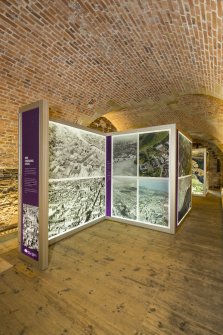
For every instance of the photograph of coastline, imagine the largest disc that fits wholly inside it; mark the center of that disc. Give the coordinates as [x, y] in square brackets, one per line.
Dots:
[185, 155]
[154, 154]
[75, 202]
[198, 159]
[75, 153]
[184, 197]
[154, 201]
[125, 198]
[125, 155]
[30, 217]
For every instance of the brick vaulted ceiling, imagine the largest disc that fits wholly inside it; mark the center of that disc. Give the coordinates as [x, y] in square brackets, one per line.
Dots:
[137, 62]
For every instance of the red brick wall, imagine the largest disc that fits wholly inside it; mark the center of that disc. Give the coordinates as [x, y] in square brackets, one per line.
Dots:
[8, 137]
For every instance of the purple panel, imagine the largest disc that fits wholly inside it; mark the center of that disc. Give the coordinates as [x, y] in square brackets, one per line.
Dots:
[108, 175]
[30, 183]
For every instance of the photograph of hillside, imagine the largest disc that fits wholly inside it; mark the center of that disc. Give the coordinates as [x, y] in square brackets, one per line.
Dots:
[125, 198]
[184, 156]
[154, 154]
[198, 172]
[184, 197]
[154, 201]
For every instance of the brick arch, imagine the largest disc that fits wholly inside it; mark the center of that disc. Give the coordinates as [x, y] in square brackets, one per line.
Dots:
[82, 56]
[201, 115]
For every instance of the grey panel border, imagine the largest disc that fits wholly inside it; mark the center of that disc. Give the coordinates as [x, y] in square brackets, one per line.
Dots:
[77, 126]
[75, 230]
[139, 224]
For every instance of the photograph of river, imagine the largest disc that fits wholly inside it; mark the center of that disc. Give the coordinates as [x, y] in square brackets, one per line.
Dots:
[125, 155]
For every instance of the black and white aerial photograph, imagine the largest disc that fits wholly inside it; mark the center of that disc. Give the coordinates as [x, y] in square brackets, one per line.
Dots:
[75, 153]
[185, 156]
[154, 201]
[154, 154]
[125, 155]
[125, 198]
[30, 227]
[184, 196]
[74, 202]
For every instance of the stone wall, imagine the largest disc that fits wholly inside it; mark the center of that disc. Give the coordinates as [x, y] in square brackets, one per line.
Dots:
[8, 198]
[103, 124]
[214, 175]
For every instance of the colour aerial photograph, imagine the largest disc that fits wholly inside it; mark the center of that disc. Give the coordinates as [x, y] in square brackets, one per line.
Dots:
[184, 196]
[154, 154]
[75, 153]
[125, 155]
[75, 202]
[185, 156]
[153, 201]
[125, 198]
[198, 173]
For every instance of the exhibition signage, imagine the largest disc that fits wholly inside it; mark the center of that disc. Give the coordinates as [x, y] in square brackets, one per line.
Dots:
[30, 183]
[33, 183]
[108, 175]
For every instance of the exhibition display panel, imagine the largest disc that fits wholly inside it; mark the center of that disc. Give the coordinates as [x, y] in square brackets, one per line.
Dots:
[199, 172]
[143, 177]
[72, 177]
[184, 200]
[76, 178]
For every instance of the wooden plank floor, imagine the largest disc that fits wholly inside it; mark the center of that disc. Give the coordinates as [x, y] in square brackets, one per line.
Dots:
[115, 279]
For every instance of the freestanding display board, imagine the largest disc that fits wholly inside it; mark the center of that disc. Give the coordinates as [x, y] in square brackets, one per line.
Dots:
[143, 177]
[71, 177]
[33, 183]
[76, 179]
[199, 171]
[184, 202]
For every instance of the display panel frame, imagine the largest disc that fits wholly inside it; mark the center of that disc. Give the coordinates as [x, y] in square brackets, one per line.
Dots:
[77, 229]
[43, 116]
[178, 222]
[171, 128]
[205, 187]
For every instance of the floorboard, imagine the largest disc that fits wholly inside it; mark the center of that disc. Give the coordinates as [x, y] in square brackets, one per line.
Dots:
[118, 279]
